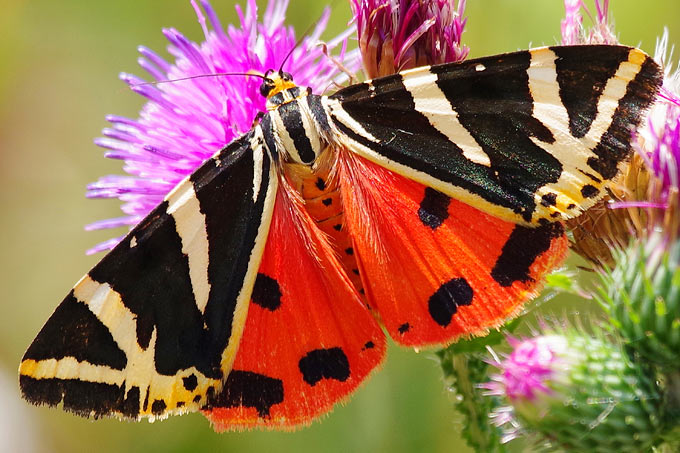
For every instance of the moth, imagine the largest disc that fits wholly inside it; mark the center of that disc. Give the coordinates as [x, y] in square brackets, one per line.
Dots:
[427, 205]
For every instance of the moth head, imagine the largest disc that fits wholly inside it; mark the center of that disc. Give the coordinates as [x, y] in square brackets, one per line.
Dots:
[275, 82]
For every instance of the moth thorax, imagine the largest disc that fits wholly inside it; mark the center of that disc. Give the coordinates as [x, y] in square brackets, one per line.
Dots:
[278, 98]
[298, 131]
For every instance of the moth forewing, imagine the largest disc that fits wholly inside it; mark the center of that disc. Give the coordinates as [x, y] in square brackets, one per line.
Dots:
[153, 329]
[530, 137]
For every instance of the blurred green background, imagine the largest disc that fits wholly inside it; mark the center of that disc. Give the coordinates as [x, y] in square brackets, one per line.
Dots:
[59, 62]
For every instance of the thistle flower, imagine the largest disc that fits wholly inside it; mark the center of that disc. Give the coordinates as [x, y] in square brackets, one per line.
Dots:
[573, 31]
[576, 392]
[400, 34]
[647, 192]
[658, 144]
[642, 292]
[602, 228]
[185, 122]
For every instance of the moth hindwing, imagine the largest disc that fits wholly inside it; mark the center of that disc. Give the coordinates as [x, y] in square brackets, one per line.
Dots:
[153, 328]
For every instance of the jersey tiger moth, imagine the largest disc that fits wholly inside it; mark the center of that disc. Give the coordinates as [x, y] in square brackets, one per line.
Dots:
[427, 204]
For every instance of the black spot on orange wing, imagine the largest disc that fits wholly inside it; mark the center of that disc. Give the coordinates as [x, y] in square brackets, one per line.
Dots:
[74, 331]
[190, 382]
[444, 303]
[324, 364]
[434, 208]
[369, 345]
[87, 399]
[349, 251]
[404, 328]
[248, 389]
[266, 292]
[327, 201]
[521, 250]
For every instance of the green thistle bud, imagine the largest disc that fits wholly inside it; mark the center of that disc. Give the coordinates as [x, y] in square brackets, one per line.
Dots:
[577, 393]
[642, 296]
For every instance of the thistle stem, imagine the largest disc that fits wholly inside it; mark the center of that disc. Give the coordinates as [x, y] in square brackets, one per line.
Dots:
[463, 372]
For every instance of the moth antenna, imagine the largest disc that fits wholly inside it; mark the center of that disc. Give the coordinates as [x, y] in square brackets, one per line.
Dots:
[217, 74]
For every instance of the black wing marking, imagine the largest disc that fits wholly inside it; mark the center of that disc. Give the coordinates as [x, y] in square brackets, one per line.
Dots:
[529, 136]
[154, 327]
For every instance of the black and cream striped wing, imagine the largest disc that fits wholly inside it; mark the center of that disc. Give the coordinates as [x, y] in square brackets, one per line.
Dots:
[153, 329]
[530, 137]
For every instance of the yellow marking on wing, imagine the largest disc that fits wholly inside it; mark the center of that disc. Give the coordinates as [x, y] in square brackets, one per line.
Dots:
[140, 372]
[573, 152]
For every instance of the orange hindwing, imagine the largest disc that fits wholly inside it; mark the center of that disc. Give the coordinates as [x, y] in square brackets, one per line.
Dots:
[309, 340]
[436, 269]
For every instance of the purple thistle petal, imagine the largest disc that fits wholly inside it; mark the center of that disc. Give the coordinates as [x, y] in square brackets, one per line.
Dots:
[185, 122]
[658, 142]
[163, 152]
[637, 204]
[104, 246]
[401, 34]
[525, 377]
[525, 372]
[572, 24]
[115, 119]
[573, 31]
[212, 17]
[410, 41]
[150, 68]
[110, 223]
[154, 58]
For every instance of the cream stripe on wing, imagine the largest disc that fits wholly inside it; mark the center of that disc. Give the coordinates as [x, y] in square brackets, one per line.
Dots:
[572, 152]
[431, 102]
[551, 112]
[190, 224]
[549, 109]
[258, 149]
[106, 304]
[613, 92]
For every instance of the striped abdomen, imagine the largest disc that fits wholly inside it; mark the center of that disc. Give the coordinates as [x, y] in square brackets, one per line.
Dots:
[323, 202]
